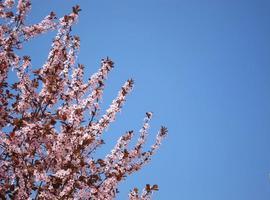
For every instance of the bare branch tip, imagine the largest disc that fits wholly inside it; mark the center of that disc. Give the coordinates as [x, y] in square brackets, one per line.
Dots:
[163, 131]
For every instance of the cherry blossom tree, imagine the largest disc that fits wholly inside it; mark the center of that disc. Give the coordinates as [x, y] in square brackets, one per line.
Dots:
[50, 120]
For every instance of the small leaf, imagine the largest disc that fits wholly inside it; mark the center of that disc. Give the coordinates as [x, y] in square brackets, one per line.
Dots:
[154, 187]
[148, 188]
[12, 135]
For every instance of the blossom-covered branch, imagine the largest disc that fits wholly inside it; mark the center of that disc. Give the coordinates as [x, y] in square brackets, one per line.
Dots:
[50, 122]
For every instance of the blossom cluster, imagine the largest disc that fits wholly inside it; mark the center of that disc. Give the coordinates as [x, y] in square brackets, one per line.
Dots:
[50, 122]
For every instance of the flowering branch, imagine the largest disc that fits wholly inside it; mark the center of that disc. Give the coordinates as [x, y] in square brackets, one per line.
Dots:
[49, 121]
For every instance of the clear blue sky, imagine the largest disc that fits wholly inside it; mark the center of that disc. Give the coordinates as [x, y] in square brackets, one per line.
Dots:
[203, 68]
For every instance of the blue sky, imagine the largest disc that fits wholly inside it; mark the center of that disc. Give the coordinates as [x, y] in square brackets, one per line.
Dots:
[203, 68]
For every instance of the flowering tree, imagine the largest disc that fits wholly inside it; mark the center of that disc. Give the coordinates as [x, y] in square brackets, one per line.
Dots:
[49, 118]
